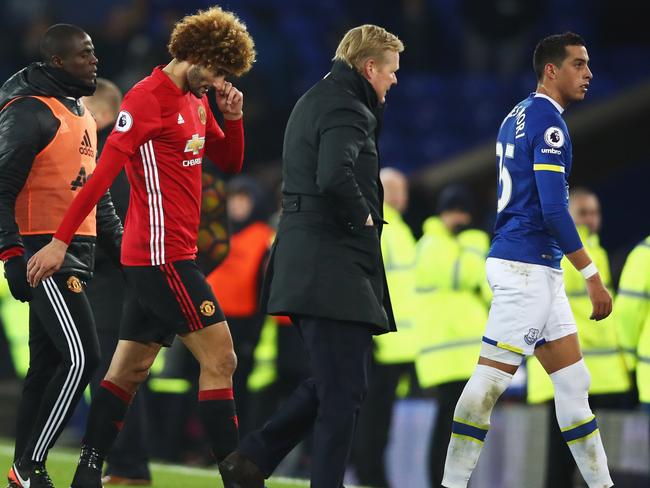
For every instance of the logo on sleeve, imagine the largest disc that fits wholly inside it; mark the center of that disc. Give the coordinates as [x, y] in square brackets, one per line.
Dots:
[554, 137]
[124, 121]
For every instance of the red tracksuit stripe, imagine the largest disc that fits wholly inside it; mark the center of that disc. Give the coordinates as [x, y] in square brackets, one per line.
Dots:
[188, 300]
[187, 295]
[179, 296]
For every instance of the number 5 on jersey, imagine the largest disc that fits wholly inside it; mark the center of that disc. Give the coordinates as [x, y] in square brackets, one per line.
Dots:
[505, 180]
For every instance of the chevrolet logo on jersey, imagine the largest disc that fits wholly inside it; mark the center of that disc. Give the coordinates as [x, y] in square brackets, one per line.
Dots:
[195, 144]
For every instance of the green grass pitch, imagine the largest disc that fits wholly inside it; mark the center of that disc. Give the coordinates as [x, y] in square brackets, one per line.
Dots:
[61, 464]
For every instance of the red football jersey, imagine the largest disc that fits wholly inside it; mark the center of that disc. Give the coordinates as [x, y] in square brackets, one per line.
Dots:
[161, 135]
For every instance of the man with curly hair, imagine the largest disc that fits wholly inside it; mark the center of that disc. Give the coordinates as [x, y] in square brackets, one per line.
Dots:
[162, 131]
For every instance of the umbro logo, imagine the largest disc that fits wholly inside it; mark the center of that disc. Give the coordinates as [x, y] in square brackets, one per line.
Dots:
[181, 120]
[86, 147]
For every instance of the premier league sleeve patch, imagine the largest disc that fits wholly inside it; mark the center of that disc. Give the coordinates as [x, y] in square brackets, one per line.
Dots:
[124, 121]
[554, 137]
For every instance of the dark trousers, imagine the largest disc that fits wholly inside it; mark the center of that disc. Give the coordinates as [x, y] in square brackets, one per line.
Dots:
[128, 456]
[374, 423]
[446, 396]
[63, 353]
[327, 402]
[561, 466]
[292, 366]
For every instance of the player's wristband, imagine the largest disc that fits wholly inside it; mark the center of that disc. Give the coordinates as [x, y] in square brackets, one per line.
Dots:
[589, 270]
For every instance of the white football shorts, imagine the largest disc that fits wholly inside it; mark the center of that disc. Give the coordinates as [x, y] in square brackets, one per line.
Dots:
[529, 306]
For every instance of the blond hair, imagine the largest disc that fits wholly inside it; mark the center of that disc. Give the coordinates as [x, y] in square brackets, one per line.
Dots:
[366, 42]
[214, 39]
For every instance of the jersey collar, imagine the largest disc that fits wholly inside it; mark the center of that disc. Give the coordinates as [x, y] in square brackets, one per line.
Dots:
[159, 74]
[555, 104]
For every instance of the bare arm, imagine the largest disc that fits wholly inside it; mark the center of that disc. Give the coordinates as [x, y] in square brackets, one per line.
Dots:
[601, 299]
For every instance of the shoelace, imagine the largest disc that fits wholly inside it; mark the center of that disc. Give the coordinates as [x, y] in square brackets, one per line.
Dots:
[41, 474]
[91, 458]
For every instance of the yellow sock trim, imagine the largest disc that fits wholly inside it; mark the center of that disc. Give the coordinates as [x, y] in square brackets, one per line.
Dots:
[467, 438]
[472, 424]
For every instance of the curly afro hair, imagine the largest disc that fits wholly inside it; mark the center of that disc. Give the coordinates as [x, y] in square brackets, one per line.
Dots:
[214, 39]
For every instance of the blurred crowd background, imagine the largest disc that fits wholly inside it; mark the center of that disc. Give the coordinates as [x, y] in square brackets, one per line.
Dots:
[466, 63]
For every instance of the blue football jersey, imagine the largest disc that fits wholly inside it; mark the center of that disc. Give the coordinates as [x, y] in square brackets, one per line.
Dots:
[533, 137]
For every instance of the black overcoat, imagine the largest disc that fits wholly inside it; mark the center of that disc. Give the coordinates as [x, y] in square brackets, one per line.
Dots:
[325, 261]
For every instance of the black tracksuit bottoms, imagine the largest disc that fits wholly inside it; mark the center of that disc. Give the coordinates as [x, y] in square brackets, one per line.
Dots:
[63, 353]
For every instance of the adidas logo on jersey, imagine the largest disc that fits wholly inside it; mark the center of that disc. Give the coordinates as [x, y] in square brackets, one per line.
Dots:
[181, 120]
[86, 147]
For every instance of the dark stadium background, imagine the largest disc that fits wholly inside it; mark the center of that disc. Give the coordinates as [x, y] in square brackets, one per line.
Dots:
[466, 63]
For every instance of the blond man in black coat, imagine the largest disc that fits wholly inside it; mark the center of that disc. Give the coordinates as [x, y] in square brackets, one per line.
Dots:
[325, 268]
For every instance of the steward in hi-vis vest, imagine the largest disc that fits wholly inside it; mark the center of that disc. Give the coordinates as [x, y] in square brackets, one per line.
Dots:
[453, 296]
[633, 316]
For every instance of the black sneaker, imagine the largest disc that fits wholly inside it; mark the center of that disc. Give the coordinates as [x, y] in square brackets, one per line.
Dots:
[89, 469]
[33, 476]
